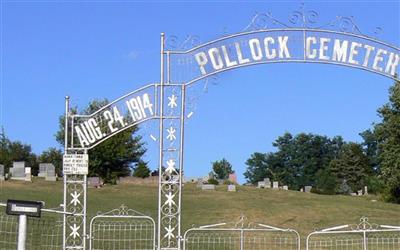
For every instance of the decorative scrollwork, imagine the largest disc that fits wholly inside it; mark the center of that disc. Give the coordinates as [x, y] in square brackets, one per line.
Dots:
[364, 225]
[305, 18]
[173, 42]
[123, 210]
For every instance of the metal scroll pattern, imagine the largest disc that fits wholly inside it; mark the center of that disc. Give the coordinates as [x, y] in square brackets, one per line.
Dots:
[75, 204]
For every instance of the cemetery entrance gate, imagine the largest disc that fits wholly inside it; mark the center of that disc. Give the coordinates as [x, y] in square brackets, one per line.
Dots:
[182, 63]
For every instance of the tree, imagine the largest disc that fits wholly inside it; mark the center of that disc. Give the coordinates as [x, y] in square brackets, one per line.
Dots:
[296, 160]
[326, 183]
[114, 157]
[388, 137]
[141, 170]
[352, 166]
[370, 145]
[54, 156]
[222, 169]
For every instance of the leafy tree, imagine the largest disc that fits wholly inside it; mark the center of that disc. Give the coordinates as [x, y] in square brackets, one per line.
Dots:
[141, 170]
[388, 137]
[11, 151]
[296, 161]
[54, 156]
[222, 169]
[370, 145]
[352, 165]
[114, 157]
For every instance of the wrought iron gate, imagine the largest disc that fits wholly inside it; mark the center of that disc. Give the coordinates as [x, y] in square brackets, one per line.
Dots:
[241, 236]
[363, 236]
[122, 228]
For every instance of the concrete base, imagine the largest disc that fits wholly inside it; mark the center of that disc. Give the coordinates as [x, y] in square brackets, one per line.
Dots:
[48, 178]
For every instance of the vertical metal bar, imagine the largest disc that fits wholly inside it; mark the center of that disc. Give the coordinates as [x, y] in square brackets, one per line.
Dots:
[22, 228]
[241, 239]
[304, 45]
[161, 138]
[365, 247]
[72, 130]
[84, 206]
[64, 176]
[168, 68]
[181, 151]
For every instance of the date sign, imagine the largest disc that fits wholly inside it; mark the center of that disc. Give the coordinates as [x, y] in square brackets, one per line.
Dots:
[76, 164]
[20, 207]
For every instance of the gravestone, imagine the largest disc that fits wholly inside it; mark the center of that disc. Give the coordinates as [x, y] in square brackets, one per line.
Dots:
[208, 187]
[94, 182]
[50, 173]
[267, 183]
[275, 185]
[211, 175]
[360, 192]
[231, 188]
[366, 190]
[18, 171]
[232, 178]
[28, 174]
[2, 172]
[285, 188]
[261, 184]
[42, 169]
[301, 189]
[199, 182]
[307, 189]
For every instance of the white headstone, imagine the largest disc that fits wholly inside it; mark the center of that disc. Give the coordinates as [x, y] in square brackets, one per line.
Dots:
[275, 185]
[231, 188]
[301, 189]
[18, 171]
[360, 192]
[285, 188]
[28, 174]
[366, 190]
[208, 187]
[261, 184]
[199, 182]
[2, 172]
[51, 172]
[307, 189]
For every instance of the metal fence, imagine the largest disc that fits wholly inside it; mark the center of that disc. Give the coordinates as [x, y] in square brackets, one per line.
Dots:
[363, 236]
[241, 236]
[44, 233]
[122, 228]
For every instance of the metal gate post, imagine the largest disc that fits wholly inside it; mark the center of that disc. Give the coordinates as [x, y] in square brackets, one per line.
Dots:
[241, 238]
[22, 230]
[365, 247]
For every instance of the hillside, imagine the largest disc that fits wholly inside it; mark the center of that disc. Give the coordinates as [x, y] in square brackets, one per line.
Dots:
[288, 209]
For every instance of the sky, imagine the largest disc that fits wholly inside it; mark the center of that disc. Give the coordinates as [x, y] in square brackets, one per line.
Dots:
[105, 49]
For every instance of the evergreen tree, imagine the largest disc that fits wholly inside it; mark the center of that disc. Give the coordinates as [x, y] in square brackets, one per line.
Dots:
[222, 169]
[352, 165]
[141, 170]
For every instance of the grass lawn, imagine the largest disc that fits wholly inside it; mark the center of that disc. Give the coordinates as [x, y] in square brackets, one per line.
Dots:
[287, 209]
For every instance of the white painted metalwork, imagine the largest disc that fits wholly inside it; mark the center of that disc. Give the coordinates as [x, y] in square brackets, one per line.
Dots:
[189, 63]
[122, 229]
[363, 236]
[42, 233]
[242, 236]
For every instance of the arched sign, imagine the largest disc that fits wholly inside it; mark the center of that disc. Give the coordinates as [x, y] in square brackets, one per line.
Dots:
[257, 44]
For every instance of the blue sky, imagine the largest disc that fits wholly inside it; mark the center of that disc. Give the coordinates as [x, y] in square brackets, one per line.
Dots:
[106, 49]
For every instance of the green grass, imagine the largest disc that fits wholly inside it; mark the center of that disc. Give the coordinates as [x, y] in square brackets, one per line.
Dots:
[287, 209]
